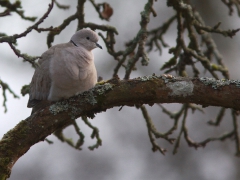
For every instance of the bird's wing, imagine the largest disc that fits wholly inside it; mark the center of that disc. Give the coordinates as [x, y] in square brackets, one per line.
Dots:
[41, 82]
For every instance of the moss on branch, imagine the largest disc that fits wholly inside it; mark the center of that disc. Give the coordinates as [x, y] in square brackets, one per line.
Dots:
[143, 90]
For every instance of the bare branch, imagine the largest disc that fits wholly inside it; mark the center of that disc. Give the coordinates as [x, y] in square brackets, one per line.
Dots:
[230, 4]
[15, 7]
[26, 57]
[5, 87]
[60, 6]
[141, 40]
[12, 39]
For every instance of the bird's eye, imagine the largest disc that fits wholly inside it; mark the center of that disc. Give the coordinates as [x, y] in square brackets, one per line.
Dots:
[87, 38]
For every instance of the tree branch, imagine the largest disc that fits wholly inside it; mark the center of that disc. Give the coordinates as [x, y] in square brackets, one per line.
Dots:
[143, 90]
[13, 38]
[5, 87]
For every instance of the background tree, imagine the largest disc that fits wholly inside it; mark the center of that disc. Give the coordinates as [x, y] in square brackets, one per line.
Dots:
[190, 38]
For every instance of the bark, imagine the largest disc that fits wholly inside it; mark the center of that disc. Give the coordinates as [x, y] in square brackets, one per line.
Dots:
[115, 92]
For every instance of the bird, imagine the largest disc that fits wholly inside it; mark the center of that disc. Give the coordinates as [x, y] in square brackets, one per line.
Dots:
[64, 70]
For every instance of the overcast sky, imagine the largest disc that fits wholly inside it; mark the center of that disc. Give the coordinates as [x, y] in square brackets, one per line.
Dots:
[126, 152]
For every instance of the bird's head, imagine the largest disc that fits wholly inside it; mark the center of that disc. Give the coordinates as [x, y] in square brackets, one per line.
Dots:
[86, 38]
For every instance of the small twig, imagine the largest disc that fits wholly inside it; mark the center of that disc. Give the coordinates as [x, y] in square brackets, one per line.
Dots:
[150, 127]
[30, 59]
[48, 141]
[58, 30]
[5, 87]
[100, 27]
[110, 41]
[230, 4]
[12, 39]
[60, 6]
[218, 118]
[80, 134]
[211, 46]
[228, 33]
[59, 134]
[44, 29]
[176, 146]
[176, 116]
[5, 13]
[141, 38]
[95, 134]
[14, 8]
[157, 33]
[220, 138]
[153, 131]
[153, 12]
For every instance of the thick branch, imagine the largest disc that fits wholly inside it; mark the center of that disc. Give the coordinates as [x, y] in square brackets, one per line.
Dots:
[144, 90]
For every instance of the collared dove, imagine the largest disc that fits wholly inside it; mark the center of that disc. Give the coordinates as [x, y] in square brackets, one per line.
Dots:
[64, 70]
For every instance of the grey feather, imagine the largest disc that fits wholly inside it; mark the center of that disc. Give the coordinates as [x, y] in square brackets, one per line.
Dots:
[65, 70]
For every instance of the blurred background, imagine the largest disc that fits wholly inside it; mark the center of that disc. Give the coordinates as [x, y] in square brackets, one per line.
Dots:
[126, 151]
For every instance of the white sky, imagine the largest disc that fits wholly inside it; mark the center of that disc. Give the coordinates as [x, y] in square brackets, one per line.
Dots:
[126, 152]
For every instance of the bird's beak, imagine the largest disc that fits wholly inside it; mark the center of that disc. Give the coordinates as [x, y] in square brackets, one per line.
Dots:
[98, 45]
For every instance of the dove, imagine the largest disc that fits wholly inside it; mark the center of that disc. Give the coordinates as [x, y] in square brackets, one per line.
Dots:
[64, 70]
